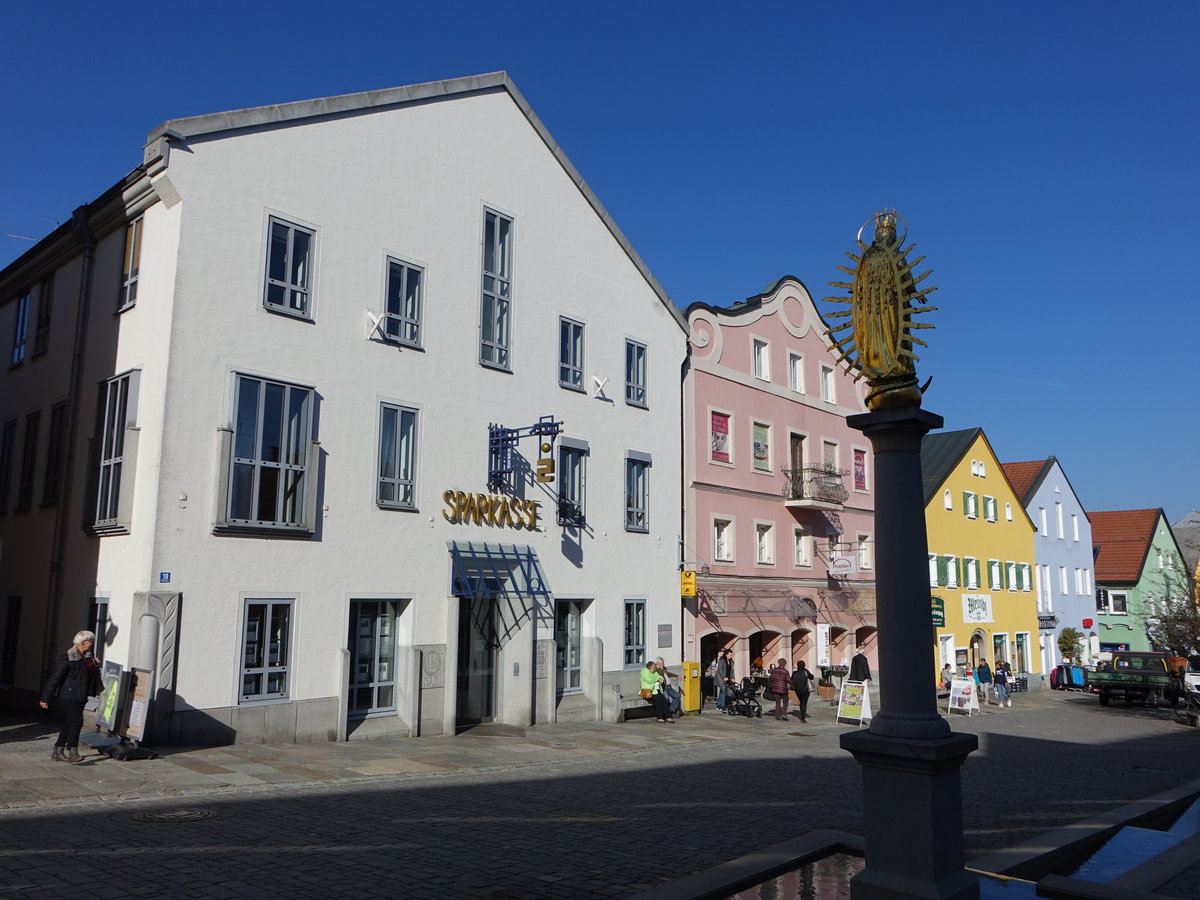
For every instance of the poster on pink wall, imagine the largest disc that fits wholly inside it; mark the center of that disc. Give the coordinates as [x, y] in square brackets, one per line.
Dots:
[860, 470]
[720, 437]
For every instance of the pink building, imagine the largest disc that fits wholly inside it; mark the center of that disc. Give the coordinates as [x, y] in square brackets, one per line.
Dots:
[779, 520]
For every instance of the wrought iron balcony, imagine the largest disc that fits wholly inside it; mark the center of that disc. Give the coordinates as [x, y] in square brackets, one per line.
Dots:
[815, 487]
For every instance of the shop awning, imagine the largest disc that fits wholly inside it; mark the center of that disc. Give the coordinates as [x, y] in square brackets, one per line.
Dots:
[496, 570]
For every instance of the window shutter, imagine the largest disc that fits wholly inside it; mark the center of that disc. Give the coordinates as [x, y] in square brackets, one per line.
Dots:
[958, 571]
[942, 571]
[966, 503]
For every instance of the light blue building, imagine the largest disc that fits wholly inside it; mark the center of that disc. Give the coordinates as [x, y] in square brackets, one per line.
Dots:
[1063, 557]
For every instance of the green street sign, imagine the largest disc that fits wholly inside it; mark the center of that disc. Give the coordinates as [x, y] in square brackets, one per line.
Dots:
[939, 612]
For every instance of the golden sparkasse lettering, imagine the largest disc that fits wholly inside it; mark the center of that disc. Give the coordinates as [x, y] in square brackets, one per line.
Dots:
[448, 499]
[482, 504]
[470, 510]
[463, 508]
[531, 514]
[460, 504]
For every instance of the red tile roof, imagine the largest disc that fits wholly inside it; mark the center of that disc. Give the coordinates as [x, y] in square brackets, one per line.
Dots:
[1022, 475]
[1123, 536]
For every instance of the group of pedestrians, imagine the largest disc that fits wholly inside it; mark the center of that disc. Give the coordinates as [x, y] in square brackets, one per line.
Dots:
[998, 682]
[781, 684]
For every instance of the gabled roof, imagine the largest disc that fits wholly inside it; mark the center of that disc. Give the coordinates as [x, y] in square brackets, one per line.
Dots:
[754, 301]
[1187, 536]
[940, 453]
[1123, 537]
[1025, 477]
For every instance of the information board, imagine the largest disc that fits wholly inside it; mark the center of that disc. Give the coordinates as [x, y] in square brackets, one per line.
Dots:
[963, 697]
[138, 694]
[854, 703]
[112, 700]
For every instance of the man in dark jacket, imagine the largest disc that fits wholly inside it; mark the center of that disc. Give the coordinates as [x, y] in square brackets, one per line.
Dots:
[984, 673]
[860, 669]
[802, 685]
[723, 675]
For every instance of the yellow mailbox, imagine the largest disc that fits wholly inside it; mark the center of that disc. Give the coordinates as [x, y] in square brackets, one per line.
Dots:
[691, 687]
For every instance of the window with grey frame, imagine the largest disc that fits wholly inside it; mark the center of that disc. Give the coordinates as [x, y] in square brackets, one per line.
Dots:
[98, 624]
[33, 423]
[571, 486]
[132, 264]
[495, 308]
[403, 303]
[20, 330]
[637, 494]
[266, 662]
[272, 463]
[635, 374]
[635, 633]
[41, 330]
[288, 280]
[8, 439]
[570, 354]
[397, 457]
[114, 422]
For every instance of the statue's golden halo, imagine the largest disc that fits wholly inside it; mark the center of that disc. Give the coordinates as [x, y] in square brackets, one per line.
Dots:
[884, 296]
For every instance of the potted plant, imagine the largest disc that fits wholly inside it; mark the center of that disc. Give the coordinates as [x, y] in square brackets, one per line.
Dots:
[825, 686]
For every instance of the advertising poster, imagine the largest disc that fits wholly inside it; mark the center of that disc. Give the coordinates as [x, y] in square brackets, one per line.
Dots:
[138, 702]
[963, 698]
[860, 470]
[110, 700]
[854, 704]
[720, 437]
[822, 644]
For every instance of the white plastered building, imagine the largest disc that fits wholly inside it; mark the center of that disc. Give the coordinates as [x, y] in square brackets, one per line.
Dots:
[274, 353]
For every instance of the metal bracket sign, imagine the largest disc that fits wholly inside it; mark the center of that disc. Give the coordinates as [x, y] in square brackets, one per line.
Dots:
[502, 441]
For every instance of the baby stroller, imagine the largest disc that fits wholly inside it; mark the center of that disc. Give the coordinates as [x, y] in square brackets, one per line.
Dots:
[742, 701]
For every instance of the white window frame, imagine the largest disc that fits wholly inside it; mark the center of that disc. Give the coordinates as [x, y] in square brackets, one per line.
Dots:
[282, 665]
[970, 504]
[404, 309]
[571, 350]
[933, 570]
[760, 356]
[989, 508]
[496, 289]
[828, 385]
[1007, 512]
[1064, 587]
[864, 550]
[723, 545]
[1058, 520]
[131, 265]
[1045, 590]
[1079, 585]
[298, 292]
[971, 573]
[796, 372]
[399, 472]
[1010, 569]
[1075, 528]
[764, 543]
[951, 570]
[637, 367]
[802, 547]
[1112, 603]
[995, 575]
[948, 499]
[1042, 530]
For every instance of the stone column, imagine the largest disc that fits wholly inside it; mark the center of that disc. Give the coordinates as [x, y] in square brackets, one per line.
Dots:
[912, 804]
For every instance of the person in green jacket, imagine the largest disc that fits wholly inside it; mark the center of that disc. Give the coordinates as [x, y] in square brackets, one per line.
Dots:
[652, 681]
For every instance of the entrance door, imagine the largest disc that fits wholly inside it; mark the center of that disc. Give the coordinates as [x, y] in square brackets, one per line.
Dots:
[477, 645]
[568, 615]
[372, 645]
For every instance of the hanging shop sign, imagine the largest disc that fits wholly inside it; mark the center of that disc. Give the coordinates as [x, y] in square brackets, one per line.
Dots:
[687, 583]
[463, 508]
[939, 612]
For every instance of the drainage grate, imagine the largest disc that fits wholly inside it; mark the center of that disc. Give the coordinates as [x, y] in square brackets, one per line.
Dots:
[176, 815]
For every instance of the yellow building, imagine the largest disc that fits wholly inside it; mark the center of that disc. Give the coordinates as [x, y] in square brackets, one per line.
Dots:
[981, 555]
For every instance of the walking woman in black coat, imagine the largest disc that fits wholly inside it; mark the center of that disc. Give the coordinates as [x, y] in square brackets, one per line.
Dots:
[76, 677]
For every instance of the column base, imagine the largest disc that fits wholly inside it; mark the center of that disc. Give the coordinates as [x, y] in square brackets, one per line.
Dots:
[912, 810]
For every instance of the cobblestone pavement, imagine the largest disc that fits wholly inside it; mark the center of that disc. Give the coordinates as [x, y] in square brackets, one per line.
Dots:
[577, 812]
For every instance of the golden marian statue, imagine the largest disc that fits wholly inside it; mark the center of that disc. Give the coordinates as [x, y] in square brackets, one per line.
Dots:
[883, 299]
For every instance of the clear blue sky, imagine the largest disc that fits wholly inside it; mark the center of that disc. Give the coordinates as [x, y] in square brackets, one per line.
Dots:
[1044, 154]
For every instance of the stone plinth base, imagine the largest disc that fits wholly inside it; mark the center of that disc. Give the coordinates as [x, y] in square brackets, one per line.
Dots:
[912, 807]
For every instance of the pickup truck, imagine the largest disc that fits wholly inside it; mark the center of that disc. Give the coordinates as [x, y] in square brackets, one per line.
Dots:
[1131, 675]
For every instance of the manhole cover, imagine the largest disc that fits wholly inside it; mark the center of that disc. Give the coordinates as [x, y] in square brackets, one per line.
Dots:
[175, 815]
